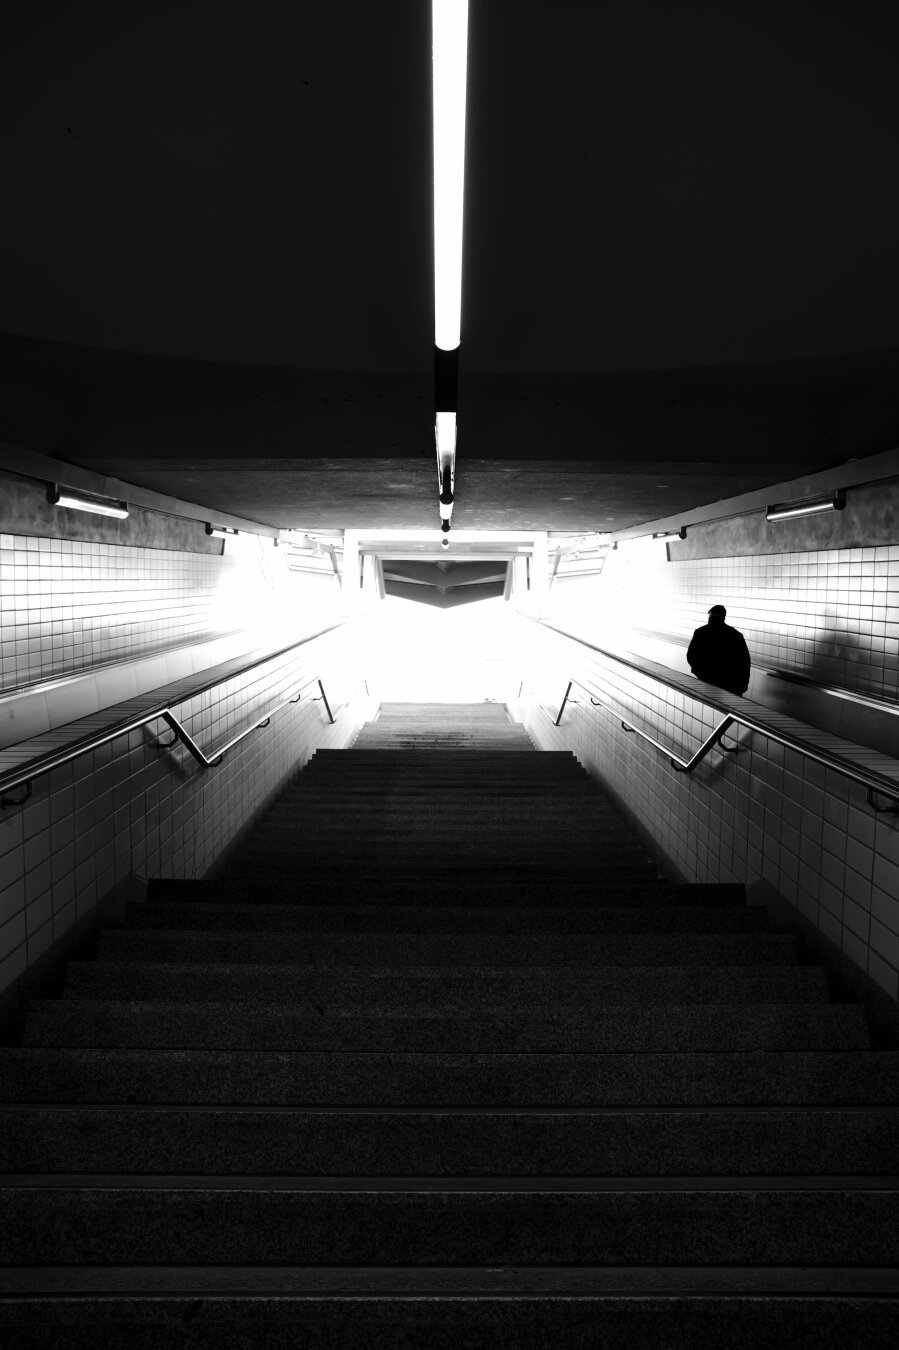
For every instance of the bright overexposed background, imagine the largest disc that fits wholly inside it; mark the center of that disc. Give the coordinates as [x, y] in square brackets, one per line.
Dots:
[420, 654]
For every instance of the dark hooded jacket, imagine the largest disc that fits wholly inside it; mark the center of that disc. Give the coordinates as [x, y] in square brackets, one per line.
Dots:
[718, 654]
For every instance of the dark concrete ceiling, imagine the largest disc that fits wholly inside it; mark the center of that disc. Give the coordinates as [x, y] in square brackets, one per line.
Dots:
[680, 273]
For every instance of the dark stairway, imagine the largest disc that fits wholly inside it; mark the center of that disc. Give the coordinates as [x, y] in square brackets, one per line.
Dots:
[441, 1062]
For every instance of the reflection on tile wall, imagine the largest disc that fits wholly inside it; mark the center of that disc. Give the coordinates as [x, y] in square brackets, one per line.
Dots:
[769, 814]
[831, 615]
[67, 606]
[127, 808]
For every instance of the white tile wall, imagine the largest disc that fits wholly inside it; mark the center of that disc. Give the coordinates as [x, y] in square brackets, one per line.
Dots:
[831, 615]
[67, 606]
[766, 814]
[126, 808]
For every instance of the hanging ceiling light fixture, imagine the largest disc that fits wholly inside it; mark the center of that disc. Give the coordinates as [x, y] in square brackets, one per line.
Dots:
[810, 506]
[86, 501]
[449, 33]
[450, 41]
[445, 436]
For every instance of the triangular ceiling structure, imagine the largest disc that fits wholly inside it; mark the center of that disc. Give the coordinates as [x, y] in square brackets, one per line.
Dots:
[445, 585]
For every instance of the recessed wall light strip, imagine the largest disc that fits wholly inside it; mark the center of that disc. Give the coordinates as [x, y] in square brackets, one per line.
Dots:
[86, 501]
[811, 506]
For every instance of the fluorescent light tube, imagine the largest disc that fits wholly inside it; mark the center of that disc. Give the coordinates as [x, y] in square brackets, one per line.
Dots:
[671, 534]
[450, 44]
[97, 506]
[445, 434]
[220, 531]
[791, 510]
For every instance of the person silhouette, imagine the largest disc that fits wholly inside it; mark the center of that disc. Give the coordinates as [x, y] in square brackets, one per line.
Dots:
[718, 653]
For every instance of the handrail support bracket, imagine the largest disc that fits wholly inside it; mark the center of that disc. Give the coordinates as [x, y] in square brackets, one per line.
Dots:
[873, 794]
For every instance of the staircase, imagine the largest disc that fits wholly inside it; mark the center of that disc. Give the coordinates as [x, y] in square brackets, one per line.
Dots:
[441, 1062]
[443, 726]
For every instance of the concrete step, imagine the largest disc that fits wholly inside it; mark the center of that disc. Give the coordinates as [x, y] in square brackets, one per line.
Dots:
[543, 761]
[515, 845]
[514, 852]
[444, 745]
[587, 829]
[205, 916]
[501, 755]
[467, 802]
[511, 745]
[546, 755]
[358, 872]
[461, 796]
[446, 780]
[514, 842]
[317, 1026]
[497, 891]
[484, 710]
[395, 735]
[433, 738]
[438, 806]
[441, 726]
[470, 1143]
[445, 766]
[488, 1309]
[437, 715]
[402, 1079]
[536, 768]
[443, 949]
[473, 744]
[512, 849]
[406, 1223]
[578, 1308]
[489, 751]
[484, 765]
[531, 771]
[392, 830]
[438, 803]
[457, 788]
[453, 990]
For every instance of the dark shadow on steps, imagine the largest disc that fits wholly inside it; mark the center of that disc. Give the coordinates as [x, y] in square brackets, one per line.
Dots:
[440, 1060]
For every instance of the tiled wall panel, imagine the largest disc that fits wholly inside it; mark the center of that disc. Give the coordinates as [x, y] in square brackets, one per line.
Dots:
[66, 606]
[127, 808]
[766, 814]
[831, 615]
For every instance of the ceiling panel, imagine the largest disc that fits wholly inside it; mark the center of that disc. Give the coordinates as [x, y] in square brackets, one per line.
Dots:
[680, 274]
[221, 181]
[654, 185]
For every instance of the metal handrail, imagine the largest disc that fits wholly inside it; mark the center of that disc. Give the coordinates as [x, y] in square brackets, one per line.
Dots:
[44, 764]
[877, 784]
[678, 762]
[180, 734]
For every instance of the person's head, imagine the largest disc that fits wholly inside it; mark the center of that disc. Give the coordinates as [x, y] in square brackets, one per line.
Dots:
[717, 614]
